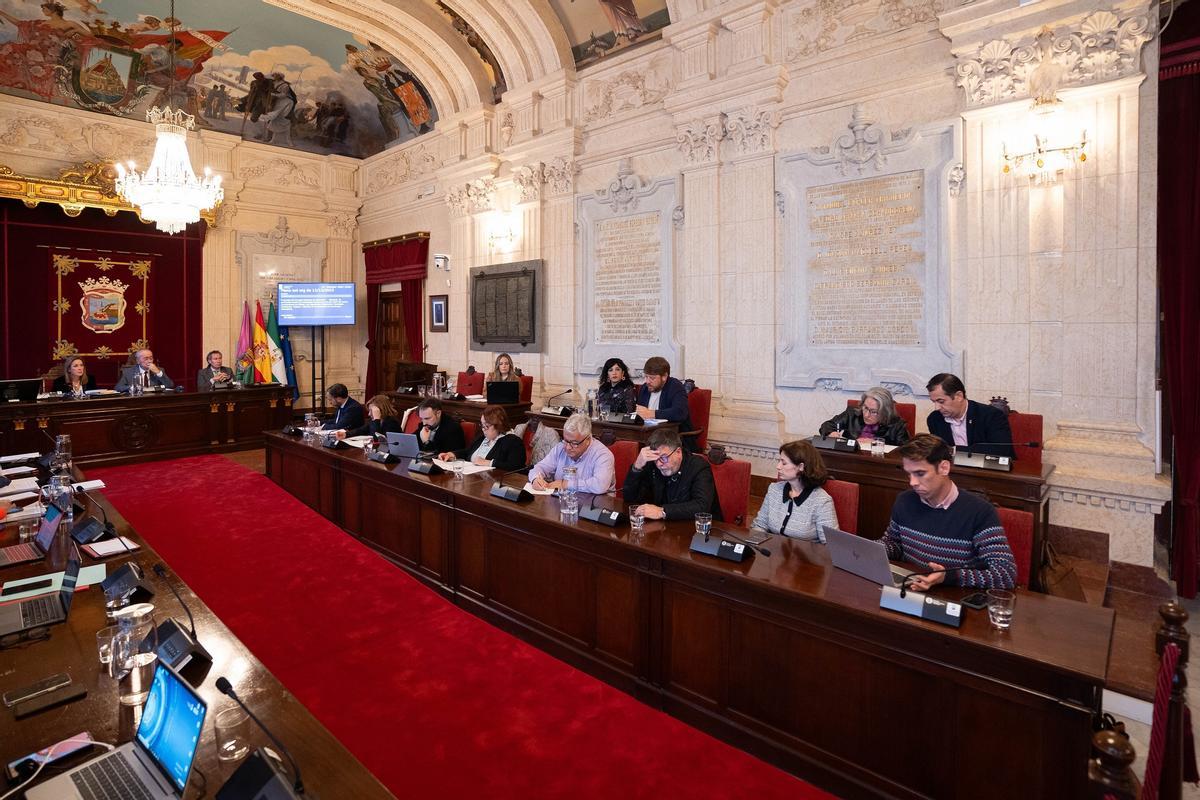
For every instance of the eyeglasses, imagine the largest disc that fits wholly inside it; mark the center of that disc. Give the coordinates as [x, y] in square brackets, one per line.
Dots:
[867, 410]
[580, 443]
[663, 459]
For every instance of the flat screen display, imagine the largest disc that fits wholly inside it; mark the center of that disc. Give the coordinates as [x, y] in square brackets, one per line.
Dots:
[171, 725]
[316, 304]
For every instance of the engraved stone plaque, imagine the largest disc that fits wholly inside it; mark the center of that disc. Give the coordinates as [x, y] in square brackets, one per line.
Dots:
[505, 299]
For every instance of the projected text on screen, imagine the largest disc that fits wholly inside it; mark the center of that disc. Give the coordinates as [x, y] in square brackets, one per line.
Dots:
[316, 304]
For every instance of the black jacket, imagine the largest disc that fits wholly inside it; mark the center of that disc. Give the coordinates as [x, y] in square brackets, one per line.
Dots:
[507, 453]
[446, 438]
[621, 399]
[347, 418]
[851, 423]
[682, 495]
[987, 429]
[60, 384]
[372, 427]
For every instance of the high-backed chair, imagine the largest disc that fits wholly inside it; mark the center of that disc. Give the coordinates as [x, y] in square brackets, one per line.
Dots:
[907, 412]
[699, 406]
[469, 430]
[1018, 526]
[526, 389]
[733, 489]
[413, 422]
[469, 384]
[845, 503]
[1026, 428]
[624, 454]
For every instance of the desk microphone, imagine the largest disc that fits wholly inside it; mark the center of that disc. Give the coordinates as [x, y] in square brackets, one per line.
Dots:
[83, 535]
[226, 688]
[603, 516]
[515, 494]
[974, 563]
[555, 397]
[179, 647]
[762, 551]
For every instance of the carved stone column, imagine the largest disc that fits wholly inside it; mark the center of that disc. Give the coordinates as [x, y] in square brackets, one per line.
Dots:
[222, 304]
[343, 344]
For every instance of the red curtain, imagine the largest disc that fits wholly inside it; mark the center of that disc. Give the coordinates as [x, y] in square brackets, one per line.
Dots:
[403, 263]
[1179, 277]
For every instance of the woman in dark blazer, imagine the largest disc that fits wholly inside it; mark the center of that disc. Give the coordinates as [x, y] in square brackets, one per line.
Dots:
[381, 419]
[874, 418]
[75, 379]
[492, 446]
[616, 389]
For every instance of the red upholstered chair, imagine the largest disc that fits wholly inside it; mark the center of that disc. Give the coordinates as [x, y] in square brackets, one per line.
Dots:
[527, 440]
[624, 454]
[699, 406]
[1018, 527]
[469, 430]
[907, 412]
[413, 422]
[733, 489]
[526, 389]
[845, 503]
[1027, 428]
[469, 384]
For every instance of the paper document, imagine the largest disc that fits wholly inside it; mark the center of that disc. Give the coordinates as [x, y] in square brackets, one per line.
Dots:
[88, 486]
[467, 467]
[357, 441]
[475, 398]
[19, 496]
[99, 392]
[20, 485]
[28, 513]
[529, 488]
[94, 573]
[13, 472]
[19, 457]
[654, 421]
[111, 547]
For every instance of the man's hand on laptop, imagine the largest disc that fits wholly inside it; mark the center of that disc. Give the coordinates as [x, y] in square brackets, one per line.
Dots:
[923, 583]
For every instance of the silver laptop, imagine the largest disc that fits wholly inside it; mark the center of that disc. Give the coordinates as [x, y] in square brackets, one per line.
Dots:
[156, 764]
[37, 549]
[865, 558]
[45, 609]
[403, 445]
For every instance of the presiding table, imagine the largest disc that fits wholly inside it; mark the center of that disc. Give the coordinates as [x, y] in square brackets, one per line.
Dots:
[117, 429]
[329, 770]
[781, 655]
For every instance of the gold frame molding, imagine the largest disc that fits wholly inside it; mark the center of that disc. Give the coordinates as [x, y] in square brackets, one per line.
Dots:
[89, 184]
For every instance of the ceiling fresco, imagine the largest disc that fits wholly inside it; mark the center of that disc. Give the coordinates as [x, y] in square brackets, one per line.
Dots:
[244, 68]
[598, 28]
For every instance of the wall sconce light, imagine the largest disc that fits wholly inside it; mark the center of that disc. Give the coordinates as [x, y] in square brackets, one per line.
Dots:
[441, 261]
[502, 240]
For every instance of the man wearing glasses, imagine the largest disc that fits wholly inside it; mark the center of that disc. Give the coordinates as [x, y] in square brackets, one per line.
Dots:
[592, 460]
[680, 486]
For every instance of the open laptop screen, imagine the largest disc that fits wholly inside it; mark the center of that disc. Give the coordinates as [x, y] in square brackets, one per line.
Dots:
[50, 523]
[170, 726]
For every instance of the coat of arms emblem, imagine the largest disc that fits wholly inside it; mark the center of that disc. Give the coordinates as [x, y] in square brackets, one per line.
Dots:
[103, 304]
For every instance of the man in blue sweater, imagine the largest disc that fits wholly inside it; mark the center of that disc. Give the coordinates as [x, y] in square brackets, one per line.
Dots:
[934, 523]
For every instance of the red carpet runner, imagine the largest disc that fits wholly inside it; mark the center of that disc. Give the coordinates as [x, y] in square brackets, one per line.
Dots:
[435, 702]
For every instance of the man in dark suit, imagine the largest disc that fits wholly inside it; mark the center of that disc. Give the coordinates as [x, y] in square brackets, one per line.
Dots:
[960, 422]
[680, 486]
[440, 432]
[349, 413]
[661, 396]
[214, 376]
[144, 373]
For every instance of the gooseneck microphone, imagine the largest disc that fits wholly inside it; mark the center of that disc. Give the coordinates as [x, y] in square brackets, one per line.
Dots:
[974, 563]
[178, 647]
[762, 551]
[226, 688]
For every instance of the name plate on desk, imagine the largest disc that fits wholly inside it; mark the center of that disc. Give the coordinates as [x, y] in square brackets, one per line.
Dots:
[963, 458]
[624, 419]
[423, 467]
[835, 443]
[716, 546]
[917, 604]
[513, 494]
[602, 515]
[382, 456]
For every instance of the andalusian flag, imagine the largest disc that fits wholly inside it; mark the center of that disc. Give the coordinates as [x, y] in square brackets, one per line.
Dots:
[262, 351]
[278, 371]
[244, 369]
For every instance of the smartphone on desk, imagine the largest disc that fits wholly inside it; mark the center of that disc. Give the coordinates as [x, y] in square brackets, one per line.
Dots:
[48, 755]
[977, 601]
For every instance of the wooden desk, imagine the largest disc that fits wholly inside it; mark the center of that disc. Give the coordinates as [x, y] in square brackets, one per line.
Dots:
[329, 769]
[606, 432]
[783, 656]
[117, 429]
[463, 409]
[881, 479]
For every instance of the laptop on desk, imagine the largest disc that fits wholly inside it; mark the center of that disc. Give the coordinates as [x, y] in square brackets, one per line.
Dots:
[863, 557]
[403, 445]
[501, 393]
[155, 765]
[25, 552]
[46, 609]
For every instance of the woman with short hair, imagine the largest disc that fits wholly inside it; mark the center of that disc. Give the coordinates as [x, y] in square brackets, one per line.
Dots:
[875, 417]
[494, 445]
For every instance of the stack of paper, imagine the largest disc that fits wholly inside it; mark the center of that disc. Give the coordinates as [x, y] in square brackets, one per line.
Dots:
[467, 467]
[20, 485]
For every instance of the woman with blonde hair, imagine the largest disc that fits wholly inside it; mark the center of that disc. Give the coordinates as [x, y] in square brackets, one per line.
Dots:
[503, 369]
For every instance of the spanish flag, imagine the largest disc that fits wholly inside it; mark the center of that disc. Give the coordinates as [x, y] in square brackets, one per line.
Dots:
[262, 351]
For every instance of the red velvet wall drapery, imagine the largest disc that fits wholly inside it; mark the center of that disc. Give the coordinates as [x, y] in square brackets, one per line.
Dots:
[404, 263]
[1179, 276]
[174, 292]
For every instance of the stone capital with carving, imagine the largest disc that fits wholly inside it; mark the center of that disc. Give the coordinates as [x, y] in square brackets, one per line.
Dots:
[750, 129]
[699, 140]
[343, 225]
[559, 174]
[528, 180]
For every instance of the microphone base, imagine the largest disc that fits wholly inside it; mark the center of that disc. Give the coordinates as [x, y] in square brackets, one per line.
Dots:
[183, 653]
[260, 777]
[603, 516]
[422, 467]
[513, 494]
[963, 458]
[918, 604]
[837, 443]
[716, 546]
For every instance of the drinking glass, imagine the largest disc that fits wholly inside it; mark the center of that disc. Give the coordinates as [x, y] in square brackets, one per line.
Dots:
[104, 642]
[704, 524]
[1000, 608]
[135, 390]
[457, 467]
[879, 448]
[636, 519]
[134, 653]
[233, 734]
[24, 532]
[569, 502]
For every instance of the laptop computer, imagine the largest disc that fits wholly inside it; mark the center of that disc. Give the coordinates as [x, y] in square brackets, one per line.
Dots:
[45, 609]
[403, 445]
[863, 557]
[25, 552]
[21, 390]
[156, 764]
[503, 392]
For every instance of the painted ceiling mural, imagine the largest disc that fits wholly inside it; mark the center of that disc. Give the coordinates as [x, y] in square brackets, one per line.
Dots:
[598, 28]
[243, 68]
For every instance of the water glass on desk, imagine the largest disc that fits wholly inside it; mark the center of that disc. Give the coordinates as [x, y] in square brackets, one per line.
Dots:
[1000, 608]
[569, 501]
[879, 448]
[134, 653]
[636, 519]
[457, 466]
[704, 524]
[232, 727]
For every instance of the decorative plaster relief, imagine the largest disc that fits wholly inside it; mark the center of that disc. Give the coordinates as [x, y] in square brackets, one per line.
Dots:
[1105, 47]
[529, 180]
[958, 175]
[623, 191]
[698, 140]
[630, 89]
[284, 172]
[343, 225]
[750, 129]
[472, 197]
[867, 143]
[559, 175]
[822, 25]
[400, 168]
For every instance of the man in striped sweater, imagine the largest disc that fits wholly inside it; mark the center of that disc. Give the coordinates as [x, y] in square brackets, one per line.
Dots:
[934, 523]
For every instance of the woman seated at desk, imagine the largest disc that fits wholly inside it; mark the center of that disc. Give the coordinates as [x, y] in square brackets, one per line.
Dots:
[875, 417]
[75, 379]
[616, 389]
[493, 446]
[503, 369]
[381, 419]
[796, 506]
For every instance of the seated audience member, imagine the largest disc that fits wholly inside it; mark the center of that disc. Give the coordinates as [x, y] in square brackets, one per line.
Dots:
[381, 419]
[874, 418]
[349, 412]
[75, 379]
[439, 432]
[964, 423]
[663, 397]
[146, 373]
[797, 506]
[503, 370]
[214, 375]
[936, 525]
[494, 446]
[680, 485]
[616, 389]
[595, 470]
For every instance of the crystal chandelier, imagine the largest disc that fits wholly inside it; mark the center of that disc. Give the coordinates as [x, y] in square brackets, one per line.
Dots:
[168, 193]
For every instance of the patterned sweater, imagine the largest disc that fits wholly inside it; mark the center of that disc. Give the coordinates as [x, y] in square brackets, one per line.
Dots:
[968, 529]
